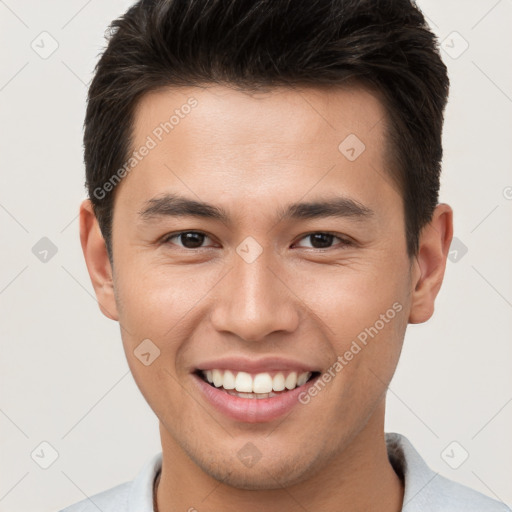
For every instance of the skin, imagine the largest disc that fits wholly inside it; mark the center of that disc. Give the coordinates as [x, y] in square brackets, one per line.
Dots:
[253, 154]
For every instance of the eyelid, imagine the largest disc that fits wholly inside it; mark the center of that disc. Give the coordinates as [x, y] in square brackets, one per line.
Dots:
[345, 240]
[167, 237]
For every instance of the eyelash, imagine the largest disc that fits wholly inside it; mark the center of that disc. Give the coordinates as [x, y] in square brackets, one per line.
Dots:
[344, 241]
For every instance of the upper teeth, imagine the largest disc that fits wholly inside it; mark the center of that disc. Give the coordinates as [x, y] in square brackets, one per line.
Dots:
[258, 383]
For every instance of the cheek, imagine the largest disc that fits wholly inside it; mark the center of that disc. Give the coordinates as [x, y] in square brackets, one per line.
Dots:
[366, 355]
[349, 298]
[363, 316]
[153, 299]
[160, 386]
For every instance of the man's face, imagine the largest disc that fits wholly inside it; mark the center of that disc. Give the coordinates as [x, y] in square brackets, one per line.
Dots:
[265, 290]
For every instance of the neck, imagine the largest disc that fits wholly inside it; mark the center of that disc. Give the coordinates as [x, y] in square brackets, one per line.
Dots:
[360, 478]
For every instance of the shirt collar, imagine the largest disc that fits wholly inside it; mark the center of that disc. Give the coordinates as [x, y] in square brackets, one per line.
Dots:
[413, 471]
[141, 491]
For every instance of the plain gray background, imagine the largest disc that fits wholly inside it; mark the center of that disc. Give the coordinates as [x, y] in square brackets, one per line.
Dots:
[64, 377]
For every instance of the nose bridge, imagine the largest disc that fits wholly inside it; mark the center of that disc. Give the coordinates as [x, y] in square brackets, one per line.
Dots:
[253, 302]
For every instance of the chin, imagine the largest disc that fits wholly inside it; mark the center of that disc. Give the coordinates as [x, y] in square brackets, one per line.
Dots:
[265, 474]
[252, 479]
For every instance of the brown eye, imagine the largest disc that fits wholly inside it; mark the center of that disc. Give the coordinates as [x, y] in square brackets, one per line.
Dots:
[187, 239]
[322, 240]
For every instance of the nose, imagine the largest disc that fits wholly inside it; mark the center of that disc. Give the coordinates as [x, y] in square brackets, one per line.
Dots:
[254, 301]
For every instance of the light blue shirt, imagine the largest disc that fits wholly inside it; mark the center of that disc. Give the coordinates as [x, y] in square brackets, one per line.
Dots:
[425, 490]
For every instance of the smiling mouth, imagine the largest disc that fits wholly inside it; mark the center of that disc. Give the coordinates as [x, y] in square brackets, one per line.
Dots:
[257, 386]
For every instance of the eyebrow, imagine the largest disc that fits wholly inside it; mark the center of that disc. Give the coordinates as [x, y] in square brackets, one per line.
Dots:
[172, 205]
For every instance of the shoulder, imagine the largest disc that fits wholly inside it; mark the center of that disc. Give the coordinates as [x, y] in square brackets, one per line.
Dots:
[428, 491]
[134, 496]
[111, 500]
[459, 498]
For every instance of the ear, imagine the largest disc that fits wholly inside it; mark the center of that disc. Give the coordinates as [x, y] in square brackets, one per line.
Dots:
[96, 258]
[430, 264]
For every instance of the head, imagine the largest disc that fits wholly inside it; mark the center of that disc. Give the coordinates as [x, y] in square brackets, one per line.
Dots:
[263, 180]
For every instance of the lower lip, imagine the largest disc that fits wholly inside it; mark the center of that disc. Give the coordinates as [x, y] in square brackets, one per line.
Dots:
[251, 410]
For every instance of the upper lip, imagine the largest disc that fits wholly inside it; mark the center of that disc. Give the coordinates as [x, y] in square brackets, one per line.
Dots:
[261, 365]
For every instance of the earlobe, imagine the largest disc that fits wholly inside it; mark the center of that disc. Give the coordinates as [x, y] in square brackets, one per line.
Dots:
[97, 261]
[430, 264]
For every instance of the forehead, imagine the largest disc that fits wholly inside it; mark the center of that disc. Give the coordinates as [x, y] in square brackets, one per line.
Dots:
[217, 141]
[307, 112]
